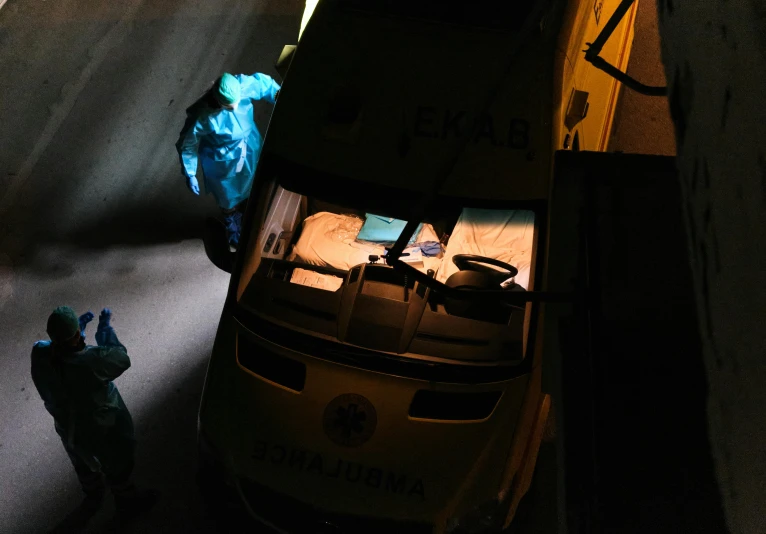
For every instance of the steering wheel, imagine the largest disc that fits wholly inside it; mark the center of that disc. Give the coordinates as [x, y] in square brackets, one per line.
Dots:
[475, 276]
[472, 262]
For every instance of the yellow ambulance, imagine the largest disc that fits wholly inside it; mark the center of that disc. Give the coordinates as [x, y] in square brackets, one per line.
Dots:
[377, 364]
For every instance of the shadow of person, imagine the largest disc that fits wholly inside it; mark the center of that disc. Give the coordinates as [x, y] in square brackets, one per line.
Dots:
[122, 520]
[78, 519]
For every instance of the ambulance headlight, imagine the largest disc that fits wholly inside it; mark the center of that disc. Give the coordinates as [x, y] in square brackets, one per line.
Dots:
[486, 518]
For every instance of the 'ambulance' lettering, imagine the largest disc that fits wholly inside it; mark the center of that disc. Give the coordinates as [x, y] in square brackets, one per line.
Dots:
[350, 472]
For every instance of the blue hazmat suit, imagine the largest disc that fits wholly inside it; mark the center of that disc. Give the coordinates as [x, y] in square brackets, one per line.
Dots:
[88, 411]
[226, 142]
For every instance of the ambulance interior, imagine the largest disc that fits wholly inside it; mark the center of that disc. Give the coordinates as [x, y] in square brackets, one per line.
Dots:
[305, 242]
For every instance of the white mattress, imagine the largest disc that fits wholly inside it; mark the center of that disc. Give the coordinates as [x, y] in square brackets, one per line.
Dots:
[328, 240]
[505, 235]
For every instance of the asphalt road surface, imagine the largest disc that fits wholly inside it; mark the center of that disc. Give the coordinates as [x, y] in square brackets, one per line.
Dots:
[642, 123]
[94, 213]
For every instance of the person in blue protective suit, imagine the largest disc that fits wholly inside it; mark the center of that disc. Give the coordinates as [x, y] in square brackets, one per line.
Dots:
[220, 133]
[74, 381]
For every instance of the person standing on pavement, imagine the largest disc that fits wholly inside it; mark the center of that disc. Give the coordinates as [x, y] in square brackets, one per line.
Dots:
[74, 381]
[221, 134]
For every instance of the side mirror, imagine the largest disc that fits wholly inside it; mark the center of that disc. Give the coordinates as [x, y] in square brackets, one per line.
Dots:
[216, 245]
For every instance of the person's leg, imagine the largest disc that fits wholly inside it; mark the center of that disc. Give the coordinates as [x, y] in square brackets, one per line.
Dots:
[92, 483]
[88, 473]
[241, 211]
[117, 460]
[232, 219]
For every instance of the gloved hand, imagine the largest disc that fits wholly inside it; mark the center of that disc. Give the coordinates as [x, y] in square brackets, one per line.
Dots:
[105, 318]
[430, 248]
[192, 184]
[84, 319]
[105, 332]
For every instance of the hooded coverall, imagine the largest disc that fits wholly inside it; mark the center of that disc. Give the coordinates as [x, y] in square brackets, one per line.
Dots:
[88, 412]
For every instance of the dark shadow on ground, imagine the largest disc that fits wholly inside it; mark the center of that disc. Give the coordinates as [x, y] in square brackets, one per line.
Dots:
[167, 461]
[637, 451]
[146, 224]
[146, 200]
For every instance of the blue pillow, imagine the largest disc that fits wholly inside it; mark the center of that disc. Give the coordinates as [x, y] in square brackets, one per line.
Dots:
[379, 229]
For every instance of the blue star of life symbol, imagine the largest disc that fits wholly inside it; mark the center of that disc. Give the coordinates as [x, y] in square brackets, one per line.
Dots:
[349, 420]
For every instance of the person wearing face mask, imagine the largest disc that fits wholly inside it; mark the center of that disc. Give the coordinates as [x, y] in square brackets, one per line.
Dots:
[220, 135]
[75, 382]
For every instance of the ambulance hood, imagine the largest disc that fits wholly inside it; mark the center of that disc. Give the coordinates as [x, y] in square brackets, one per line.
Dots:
[406, 103]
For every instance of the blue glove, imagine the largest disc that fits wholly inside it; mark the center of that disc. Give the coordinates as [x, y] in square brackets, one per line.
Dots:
[430, 248]
[104, 318]
[84, 319]
[192, 184]
[104, 330]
